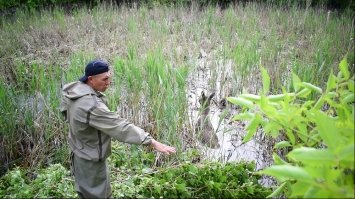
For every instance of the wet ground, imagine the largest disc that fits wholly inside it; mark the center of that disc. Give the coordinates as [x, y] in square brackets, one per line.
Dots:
[230, 133]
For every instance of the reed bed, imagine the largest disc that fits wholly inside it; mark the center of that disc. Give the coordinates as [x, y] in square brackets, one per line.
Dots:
[152, 51]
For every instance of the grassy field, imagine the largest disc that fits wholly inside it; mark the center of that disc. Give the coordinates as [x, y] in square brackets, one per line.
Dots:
[152, 52]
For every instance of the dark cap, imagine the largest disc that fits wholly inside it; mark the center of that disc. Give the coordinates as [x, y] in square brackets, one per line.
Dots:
[94, 68]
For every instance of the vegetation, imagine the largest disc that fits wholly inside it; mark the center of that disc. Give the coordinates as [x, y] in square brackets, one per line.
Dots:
[231, 180]
[133, 177]
[54, 181]
[337, 4]
[153, 50]
[318, 135]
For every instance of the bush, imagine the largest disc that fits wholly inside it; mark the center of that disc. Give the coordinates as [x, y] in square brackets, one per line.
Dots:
[319, 133]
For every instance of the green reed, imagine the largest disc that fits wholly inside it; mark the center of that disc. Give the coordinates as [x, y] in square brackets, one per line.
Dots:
[32, 125]
[308, 42]
[153, 84]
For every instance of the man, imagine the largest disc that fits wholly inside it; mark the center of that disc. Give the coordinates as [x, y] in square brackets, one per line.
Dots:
[91, 127]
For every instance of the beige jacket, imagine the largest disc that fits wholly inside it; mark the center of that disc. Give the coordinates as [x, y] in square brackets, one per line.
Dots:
[92, 124]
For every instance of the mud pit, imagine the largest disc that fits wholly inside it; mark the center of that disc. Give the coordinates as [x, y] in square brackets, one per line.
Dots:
[230, 134]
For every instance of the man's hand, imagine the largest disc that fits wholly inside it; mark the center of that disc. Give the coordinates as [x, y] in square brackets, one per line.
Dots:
[162, 147]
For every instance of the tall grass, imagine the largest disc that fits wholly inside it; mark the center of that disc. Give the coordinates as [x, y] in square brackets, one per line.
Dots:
[152, 51]
[153, 91]
[30, 121]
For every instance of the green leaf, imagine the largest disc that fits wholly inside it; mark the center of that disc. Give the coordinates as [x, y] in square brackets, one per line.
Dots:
[303, 93]
[312, 87]
[347, 153]
[279, 97]
[241, 101]
[266, 80]
[252, 127]
[251, 97]
[278, 160]
[267, 107]
[278, 191]
[316, 192]
[327, 129]
[180, 187]
[311, 155]
[290, 172]
[350, 98]
[331, 84]
[302, 132]
[296, 81]
[272, 128]
[351, 85]
[282, 144]
[344, 68]
[298, 189]
[291, 136]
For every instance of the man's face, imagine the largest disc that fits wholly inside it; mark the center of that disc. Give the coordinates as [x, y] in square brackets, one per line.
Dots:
[100, 82]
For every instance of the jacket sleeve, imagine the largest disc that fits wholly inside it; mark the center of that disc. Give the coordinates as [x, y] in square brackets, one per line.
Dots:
[63, 108]
[110, 123]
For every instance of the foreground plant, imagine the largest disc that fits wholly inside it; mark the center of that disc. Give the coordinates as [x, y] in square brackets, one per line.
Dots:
[133, 177]
[318, 132]
[188, 180]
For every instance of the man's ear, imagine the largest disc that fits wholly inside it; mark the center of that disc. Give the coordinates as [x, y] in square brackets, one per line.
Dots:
[90, 78]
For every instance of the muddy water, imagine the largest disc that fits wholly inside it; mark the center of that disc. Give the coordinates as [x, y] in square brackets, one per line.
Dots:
[211, 76]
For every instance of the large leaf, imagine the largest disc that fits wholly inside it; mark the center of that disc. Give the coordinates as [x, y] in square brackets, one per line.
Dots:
[290, 172]
[311, 155]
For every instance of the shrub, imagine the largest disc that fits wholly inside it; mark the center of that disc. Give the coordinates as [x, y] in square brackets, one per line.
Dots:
[318, 132]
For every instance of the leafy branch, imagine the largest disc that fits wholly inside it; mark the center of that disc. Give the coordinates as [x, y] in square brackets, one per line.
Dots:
[319, 129]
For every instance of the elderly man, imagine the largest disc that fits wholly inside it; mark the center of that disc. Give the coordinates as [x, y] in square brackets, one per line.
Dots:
[91, 127]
